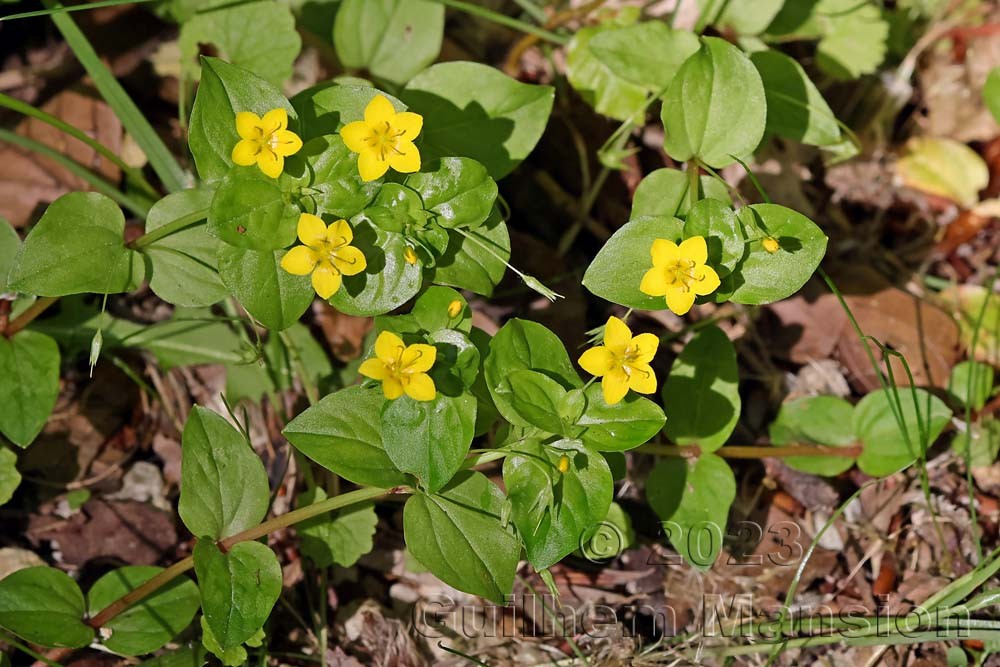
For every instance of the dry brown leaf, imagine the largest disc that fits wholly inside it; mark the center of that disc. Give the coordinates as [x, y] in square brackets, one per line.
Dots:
[809, 328]
[28, 180]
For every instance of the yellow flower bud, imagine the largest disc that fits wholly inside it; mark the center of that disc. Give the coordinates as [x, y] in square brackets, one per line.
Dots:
[563, 464]
[771, 244]
[410, 255]
[454, 309]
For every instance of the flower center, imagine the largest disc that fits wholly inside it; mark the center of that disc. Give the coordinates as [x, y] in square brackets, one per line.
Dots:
[683, 273]
[385, 139]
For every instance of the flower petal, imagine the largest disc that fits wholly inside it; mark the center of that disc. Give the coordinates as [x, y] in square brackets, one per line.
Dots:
[680, 300]
[274, 120]
[406, 158]
[300, 260]
[270, 163]
[245, 152]
[655, 282]
[392, 388]
[326, 280]
[663, 252]
[286, 143]
[597, 361]
[615, 386]
[420, 387]
[645, 346]
[617, 336]
[379, 111]
[409, 124]
[349, 260]
[355, 136]
[374, 369]
[388, 346]
[339, 233]
[371, 166]
[311, 229]
[248, 125]
[418, 358]
[708, 281]
[694, 249]
[642, 379]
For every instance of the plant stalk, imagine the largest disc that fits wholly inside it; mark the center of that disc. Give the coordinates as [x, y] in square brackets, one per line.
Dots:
[171, 227]
[752, 452]
[29, 314]
[504, 20]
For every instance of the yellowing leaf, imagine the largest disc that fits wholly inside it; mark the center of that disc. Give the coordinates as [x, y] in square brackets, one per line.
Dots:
[944, 167]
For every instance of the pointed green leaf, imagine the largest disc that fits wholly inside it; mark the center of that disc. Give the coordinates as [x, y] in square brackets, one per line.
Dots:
[44, 606]
[29, 364]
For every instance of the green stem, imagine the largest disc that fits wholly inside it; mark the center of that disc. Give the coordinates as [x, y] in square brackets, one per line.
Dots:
[160, 159]
[504, 20]
[693, 183]
[752, 452]
[131, 172]
[77, 169]
[74, 8]
[171, 227]
[530, 281]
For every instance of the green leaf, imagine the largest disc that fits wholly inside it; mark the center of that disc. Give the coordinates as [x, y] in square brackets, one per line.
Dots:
[224, 488]
[459, 535]
[715, 109]
[224, 91]
[764, 277]
[343, 434]
[664, 193]
[701, 396]
[44, 606]
[854, 38]
[250, 211]
[744, 17]
[795, 107]
[619, 427]
[429, 439]
[617, 270]
[534, 398]
[525, 345]
[77, 246]
[614, 535]
[556, 512]
[189, 656]
[472, 110]
[693, 499]
[722, 230]
[984, 439]
[887, 447]
[647, 54]
[991, 93]
[819, 420]
[230, 657]
[458, 190]
[270, 294]
[259, 37]
[340, 537]
[476, 264]
[278, 370]
[238, 588]
[971, 383]
[608, 92]
[10, 478]
[387, 282]
[151, 622]
[29, 365]
[457, 364]
[330, 181]
[392, 39]
[184, 266]
[432, 310]
[10, 244]
[329, 106]
[944, 167]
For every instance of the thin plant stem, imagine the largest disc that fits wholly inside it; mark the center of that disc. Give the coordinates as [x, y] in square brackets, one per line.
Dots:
[504, 20]
[73, 8]
[131, 172]
[171, 227]
[29, 314]
[753, 452]
[99, 184]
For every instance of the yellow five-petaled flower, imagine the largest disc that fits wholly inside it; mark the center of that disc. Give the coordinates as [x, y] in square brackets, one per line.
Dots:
[265, 141]
[680, 273]
[384, 139]
[622, 362]
[401, 368]
[327, 254]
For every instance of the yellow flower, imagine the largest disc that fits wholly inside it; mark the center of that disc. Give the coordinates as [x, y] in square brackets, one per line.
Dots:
[401, 368]
[679, 273]
[771, 244]
[327, 254]
[454, 309]
[622, 362]
[265, 141]
[384, 139]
